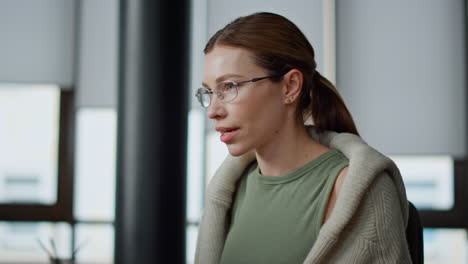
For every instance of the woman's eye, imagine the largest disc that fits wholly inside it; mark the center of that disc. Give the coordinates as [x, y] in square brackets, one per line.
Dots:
[229, 86]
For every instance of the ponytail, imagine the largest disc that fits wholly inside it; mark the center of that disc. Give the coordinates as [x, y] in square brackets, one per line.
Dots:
[327, 107]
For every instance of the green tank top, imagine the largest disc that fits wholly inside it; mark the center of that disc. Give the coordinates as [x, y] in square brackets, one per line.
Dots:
[276, 219]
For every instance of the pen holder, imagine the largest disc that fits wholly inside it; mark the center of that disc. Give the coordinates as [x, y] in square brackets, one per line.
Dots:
[61, 261]
[53, 259]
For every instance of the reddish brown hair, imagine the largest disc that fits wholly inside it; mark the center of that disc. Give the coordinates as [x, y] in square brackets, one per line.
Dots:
[279, 46]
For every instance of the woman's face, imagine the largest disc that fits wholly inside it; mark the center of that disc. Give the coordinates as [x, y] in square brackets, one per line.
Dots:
[258, 111]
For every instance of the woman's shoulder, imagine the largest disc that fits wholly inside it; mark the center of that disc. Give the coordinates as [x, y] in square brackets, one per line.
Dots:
[335, 192]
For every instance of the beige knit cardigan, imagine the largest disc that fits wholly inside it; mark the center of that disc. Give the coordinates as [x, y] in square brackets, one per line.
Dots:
[367, 224]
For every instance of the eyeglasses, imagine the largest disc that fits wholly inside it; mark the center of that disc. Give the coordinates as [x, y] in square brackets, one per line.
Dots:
[225, 91]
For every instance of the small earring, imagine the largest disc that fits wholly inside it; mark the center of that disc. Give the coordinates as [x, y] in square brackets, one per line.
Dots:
[288, 100]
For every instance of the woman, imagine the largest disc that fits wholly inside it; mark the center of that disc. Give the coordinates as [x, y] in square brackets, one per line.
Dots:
[291, 193]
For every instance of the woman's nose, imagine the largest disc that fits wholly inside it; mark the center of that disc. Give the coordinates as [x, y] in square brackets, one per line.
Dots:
[216, 109]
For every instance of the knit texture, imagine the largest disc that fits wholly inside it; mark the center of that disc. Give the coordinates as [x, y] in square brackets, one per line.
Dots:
[367, 224]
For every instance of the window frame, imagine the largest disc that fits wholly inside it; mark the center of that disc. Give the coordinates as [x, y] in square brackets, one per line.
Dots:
[62, 210]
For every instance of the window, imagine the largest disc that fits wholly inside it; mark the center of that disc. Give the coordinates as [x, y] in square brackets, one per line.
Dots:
[29, 128]
[19, 241]
[36, 164]
[95, 175]
[430, 186]
[428, 180]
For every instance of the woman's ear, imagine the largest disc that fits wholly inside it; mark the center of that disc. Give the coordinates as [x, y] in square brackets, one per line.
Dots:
[292, 85]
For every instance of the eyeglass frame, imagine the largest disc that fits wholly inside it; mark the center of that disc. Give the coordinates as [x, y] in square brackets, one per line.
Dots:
[236, 85]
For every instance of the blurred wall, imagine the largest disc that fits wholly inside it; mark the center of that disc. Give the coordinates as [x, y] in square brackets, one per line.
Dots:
[401, 66]
[37, 43]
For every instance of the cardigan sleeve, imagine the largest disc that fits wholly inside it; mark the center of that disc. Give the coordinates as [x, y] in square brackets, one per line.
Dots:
[376, 233]
[389, 221]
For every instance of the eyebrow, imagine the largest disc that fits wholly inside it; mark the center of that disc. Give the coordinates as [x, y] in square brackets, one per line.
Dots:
[222, 78]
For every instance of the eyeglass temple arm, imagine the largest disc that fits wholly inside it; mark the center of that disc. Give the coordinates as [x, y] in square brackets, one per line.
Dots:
[261, 78]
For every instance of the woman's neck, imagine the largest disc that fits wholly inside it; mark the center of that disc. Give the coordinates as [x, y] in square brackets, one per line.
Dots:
[292, 148]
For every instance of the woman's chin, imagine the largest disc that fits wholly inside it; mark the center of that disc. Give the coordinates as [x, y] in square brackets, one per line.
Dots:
[236, 150]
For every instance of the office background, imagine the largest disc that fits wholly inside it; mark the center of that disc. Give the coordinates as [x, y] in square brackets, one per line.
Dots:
[400, 66]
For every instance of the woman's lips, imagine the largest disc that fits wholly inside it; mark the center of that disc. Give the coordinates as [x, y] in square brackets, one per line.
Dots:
[228, 136]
